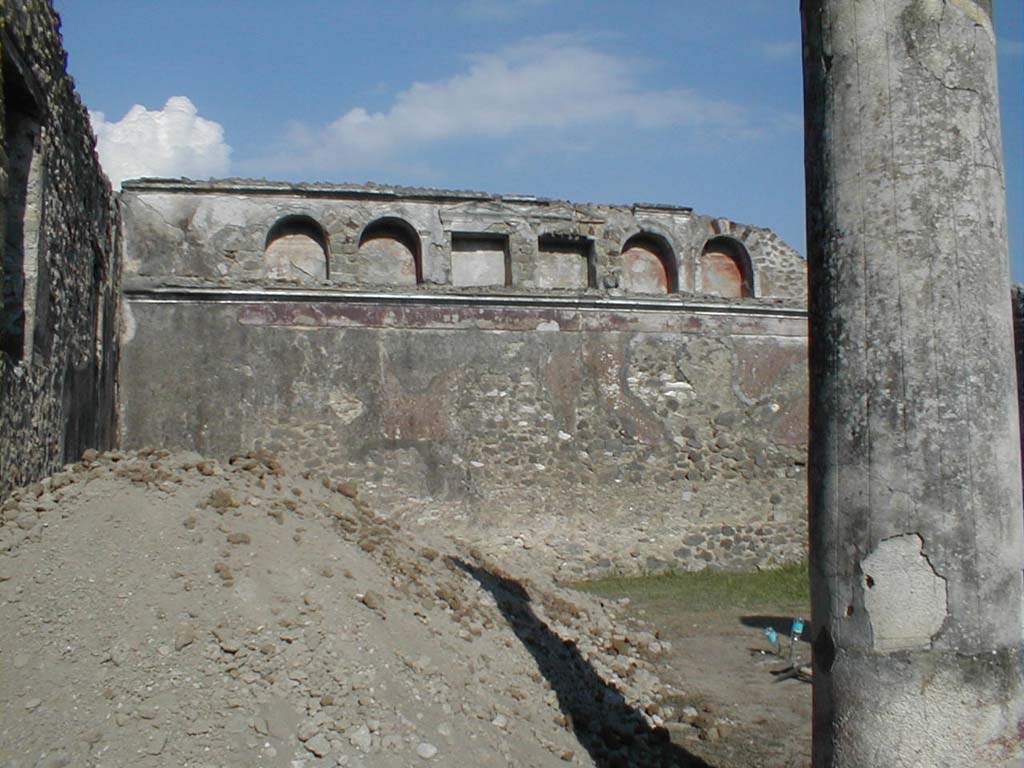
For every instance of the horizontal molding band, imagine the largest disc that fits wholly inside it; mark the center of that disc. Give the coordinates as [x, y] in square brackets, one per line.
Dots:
[196, 294]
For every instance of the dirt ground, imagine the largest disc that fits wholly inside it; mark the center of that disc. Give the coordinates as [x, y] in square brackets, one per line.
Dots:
[718, 658]
[162, 609]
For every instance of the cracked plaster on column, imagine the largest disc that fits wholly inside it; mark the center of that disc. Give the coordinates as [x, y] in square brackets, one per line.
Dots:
[905, 598]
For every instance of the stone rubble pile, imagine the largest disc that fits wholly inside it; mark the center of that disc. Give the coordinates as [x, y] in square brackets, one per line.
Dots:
[162, 609]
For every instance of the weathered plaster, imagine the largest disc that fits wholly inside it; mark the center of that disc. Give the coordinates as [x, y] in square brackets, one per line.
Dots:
[216, 230]
[464, 394]
[903, 595]
[914, 419]
[923, 708]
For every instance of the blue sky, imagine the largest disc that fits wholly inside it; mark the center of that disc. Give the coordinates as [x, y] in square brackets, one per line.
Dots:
[683, 101]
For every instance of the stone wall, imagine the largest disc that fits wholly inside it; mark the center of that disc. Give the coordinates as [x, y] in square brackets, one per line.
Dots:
[492, 364]
[245, 232]
[61, 268]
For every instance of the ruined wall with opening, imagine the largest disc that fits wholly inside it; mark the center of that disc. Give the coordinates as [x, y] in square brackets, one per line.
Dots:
[61, 270]
[489, 362]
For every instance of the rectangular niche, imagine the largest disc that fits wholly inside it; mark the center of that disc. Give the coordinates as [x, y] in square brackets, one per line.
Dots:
[565, 261]
[480, 259]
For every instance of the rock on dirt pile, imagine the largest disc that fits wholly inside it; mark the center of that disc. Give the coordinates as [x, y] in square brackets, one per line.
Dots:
[162, 609]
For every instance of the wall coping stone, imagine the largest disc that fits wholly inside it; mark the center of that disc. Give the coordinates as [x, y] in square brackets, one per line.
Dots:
[371, 191]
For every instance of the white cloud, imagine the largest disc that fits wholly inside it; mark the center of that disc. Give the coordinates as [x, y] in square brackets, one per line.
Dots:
[552, 83]
[173, 141]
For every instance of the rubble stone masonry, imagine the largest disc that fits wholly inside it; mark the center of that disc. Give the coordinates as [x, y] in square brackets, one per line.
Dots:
[626, 382]
[61, 270]
[489, 362]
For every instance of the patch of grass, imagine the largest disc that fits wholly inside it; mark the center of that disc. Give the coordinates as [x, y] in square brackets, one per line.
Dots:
[783, 587]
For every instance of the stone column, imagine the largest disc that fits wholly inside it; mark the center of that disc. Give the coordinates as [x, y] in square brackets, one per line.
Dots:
[915, 485]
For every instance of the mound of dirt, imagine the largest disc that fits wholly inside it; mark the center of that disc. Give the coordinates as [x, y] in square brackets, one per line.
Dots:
[162, 609]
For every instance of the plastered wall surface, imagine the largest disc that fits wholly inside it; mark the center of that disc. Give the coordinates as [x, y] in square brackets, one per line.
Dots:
[218, 231]
[497, 408]
[61, 266]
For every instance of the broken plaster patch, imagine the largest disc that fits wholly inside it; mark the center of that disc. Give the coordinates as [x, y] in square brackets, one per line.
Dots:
[905, 598]
[128, 324]
[344, 407]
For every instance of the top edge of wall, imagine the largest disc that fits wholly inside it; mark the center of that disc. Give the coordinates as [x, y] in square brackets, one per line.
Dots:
[365, 191]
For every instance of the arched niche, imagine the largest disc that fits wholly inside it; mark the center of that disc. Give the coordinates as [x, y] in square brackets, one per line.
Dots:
[296, 249]
[725, 269]
[649, 265]
[390, 253]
